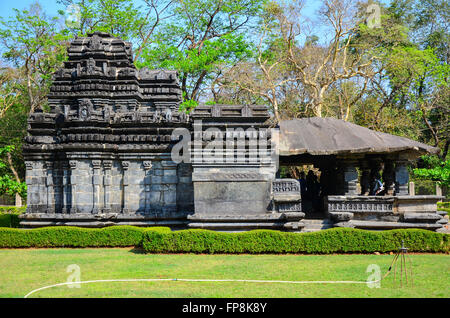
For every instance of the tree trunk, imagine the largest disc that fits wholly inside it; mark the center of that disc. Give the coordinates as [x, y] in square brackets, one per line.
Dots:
[18, 200]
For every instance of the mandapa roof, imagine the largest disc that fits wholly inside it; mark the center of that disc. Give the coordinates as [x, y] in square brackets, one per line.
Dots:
[331, 136]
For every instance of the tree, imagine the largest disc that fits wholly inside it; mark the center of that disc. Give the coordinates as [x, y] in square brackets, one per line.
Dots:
[11, 185]
[435, 169]
[202, 35]
[120, 18]
[33, 48]
[312, 67]
[36, 48]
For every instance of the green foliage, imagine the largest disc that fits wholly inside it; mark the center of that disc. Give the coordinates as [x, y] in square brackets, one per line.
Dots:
[444, 206]
[9, 220]
[163, 240]
[121, 18]
[32, 39]
[202, 36]
[8, 184]
[435, 169]
[337, 240]
[115, 236]
[9, 216]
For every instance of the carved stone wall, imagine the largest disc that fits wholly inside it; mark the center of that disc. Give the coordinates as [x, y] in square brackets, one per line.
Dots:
[101, 155]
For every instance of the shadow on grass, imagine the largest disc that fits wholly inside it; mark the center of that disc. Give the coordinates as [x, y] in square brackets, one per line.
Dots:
[137, 250]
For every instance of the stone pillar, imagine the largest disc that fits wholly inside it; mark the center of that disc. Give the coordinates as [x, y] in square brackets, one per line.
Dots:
[438, 190]
[96, 183]
[58, 187]
[365, 178]
[125, 206]
[412, 188]
[169, 180]
[66, 196]
[401, 178]
[31, 187]
[48, 165]
[388, 177]
[73, 186]
[375, 167]
[147, 185]
[339, 175]
[107, 164]
[350, 178]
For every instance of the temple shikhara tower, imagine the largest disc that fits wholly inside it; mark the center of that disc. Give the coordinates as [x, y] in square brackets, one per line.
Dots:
[102, 156]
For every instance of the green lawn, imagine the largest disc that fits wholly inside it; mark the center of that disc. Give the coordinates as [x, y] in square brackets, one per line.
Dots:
[22, 270]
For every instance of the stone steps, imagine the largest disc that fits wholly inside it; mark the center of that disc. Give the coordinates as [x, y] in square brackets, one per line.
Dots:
[314, 225]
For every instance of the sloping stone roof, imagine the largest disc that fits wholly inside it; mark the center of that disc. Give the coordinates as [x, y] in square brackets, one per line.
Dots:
[331, 136]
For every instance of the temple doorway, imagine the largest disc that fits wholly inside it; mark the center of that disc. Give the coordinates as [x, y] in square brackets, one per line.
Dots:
[312, 188]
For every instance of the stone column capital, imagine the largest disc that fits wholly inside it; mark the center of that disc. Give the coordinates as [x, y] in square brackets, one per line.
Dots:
[107, 164]
[73, 164]
[125, 165]
[147, 165]
[96, 164]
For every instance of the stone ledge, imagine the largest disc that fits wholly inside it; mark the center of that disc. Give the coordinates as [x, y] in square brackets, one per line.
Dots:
[239, 218]
[287, 197]
[98, 224]
[387, 225]
[101, 217]
[421, 216]
[247, 225]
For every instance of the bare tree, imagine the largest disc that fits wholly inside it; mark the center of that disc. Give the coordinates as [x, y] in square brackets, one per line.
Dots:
[312, 67]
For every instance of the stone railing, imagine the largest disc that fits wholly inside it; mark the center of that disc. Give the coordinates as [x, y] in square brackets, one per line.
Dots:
[385, 212]
[286, 195]
[284, 186]
[361, 204]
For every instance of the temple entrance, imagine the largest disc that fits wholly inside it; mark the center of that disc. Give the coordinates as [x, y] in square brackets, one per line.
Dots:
[312, 189]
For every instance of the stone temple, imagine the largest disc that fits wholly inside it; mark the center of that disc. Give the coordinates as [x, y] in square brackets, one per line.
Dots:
[103, 155]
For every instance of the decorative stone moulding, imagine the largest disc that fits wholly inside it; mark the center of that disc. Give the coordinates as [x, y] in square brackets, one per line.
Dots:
[385, 212]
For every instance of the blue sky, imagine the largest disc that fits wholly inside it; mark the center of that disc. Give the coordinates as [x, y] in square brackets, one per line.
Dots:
[51, 8]
[6, 6]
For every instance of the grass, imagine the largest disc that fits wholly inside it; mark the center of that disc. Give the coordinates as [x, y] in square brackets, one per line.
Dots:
[22, 270]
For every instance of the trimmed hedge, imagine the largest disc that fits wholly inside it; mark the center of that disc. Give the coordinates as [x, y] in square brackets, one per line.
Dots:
[9, 220]
[445, 205]
[163, 240]
[9, 215]
[336, 240]
[12, 209]
[69, 236]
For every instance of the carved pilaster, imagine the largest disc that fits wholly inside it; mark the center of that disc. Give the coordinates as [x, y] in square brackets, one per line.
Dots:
[147, 184]
[107, 164]
[365, 178]
[388, 177]
[30, 187]
[73, 186]
[401, 178]
[66, 190]
[350, 177]
[96, 183]
[50, 198]
[126, 203]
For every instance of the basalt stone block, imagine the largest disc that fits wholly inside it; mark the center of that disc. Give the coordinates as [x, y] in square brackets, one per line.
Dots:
[232, 197]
